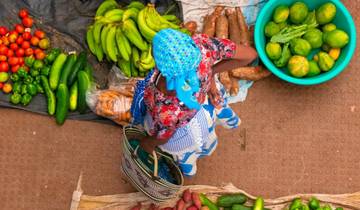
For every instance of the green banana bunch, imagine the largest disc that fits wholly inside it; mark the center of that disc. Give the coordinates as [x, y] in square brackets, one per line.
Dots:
[106, 6]
[135, 56]
[136, 4]
[130, 13]
[172, 18]
[147, 61]
[90, 39]
[111, 47]
[132, 33]
[123, 44]
[125, 67]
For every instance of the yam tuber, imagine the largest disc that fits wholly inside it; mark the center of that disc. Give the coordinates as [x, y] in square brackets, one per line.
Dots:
[244, 30]
[210, 21]
[222, 27]
[191, 26]
[234, 28]
[253, 73]
[224, 78]
[234, 90]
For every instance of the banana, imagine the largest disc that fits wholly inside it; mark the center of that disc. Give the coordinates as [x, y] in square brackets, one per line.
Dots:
[99, 52]
[146, 60]
[112, 16]
[148, 66]
[142, 74]
[103, 37]
[136, 4]
[135, 56]
[132, 33]
[121, 42]
[125, 67]
[106, 6]
[170, 18]
[90, 39]
[134, 71]
[111, 47]
[151, 19]
[147, 32]
[98, 26]
[131, 13]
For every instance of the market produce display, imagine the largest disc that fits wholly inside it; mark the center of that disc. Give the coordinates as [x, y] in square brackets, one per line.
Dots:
[304, 42]
[231, 24]
[123, 35]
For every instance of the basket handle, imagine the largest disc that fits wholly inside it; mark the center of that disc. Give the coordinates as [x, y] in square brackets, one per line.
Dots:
[156, 162]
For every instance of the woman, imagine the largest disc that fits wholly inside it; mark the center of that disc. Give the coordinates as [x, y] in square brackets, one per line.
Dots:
[180, 102]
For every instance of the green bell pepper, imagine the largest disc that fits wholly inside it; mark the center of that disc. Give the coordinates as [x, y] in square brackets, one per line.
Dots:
[15, 98]
[31, 89]
[28, 79]
[40, 89]
[23, 89]
[38, 64]
[26, 99]
[21, 72]
[17, 87]
[45, 70]
[34, 72]
[29, 61]
[14, 77]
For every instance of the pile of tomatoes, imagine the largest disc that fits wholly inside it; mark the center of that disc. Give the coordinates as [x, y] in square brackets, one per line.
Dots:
[20, 42]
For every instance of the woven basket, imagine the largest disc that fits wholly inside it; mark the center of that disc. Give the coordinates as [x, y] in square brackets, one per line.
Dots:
[143, 178]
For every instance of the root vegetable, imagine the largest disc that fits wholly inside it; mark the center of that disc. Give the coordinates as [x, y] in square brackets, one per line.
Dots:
[196, 199]
[222, 27]
[234, 29]
[224, 78]
[187, 196]
[253, 73]
[234, 90]
[180, 205]
[210, 21]
[244, 30]
[191, 26]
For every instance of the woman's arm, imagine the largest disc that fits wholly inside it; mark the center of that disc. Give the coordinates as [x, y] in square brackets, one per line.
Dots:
[149, 143]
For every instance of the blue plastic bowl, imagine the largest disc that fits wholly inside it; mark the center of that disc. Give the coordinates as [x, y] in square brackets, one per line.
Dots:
[343, 21]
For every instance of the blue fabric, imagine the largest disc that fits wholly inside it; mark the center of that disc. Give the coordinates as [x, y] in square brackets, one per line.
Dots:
[177, 57]
[138, 107]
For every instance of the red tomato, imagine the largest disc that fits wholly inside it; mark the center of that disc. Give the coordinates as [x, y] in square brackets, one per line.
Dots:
[29, 52]
[14, 46]
[13, 37]
[27, 22]
[34, 41]
[13, 61]
[1, 85]
[25, 45]
[19, 40]
[3, 30]
[19, 28]
[39, 34]
[37, 50]
[20, 52]
[27, 36]
[21, 61]
[40, 55]
[14, 69]
[23, 13]
[3, 50]
[10, 53]
[4, 66]
[3, 58]
[5, 40]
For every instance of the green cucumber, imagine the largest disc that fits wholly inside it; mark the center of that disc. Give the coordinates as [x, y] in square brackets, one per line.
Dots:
[62, 105]
[67, 68]
[206, 202]
[240, 207]
[229, 200]
[83, 85]
[73, 96]
[51, 100]
[259, 204]
[79, 65]
[55, 71]
[89, 70]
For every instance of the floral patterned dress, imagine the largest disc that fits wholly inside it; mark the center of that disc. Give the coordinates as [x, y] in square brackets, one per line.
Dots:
[166, 111]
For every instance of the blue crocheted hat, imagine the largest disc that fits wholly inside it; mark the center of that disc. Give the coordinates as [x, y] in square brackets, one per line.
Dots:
[177, 57]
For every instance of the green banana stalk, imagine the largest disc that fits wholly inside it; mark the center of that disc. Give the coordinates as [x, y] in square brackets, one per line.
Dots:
[135, 56]
[132, 33]
[131, 13]
[145, 30]
[136, 4]
[106, 6]
[103, 37]
[125, 67]
[111, 47]
[121, 42]
[98, 26]
[90, 39]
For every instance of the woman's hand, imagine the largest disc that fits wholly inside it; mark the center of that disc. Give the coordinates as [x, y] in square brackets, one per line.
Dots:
[149, 143]
[214, 94]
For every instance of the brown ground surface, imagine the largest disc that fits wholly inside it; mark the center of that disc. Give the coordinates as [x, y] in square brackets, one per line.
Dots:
[292, 139]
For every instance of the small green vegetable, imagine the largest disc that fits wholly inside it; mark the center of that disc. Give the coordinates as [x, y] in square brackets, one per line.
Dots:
[73, 96]
[21, 72]
[326, 62]
[83, 86]
[67, 68]
[281, 14]
[4, 76]
[31, 89]
[50, 58]
[34, 73]
[300, 47]
[28, 79]
[62, 106]
[45, 71]
[313, 71]
[15, 98]
[271, 29]
[240, 207]
[38, 64]
[79, 65]
[14, 77]
[326, 13]
[298, 12]
[26, 99]
[51, 100]
[314, 203]
[259, 204]
[55, 71]
[206, 202]
[23, 89]
[327, 207]
[17, 87]
[229, 200]
[273, 50]
[40, 89]
[285, 57]
[296, 203]
[29, 61]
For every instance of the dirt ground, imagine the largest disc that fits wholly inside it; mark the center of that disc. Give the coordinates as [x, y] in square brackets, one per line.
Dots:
[293, 139]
